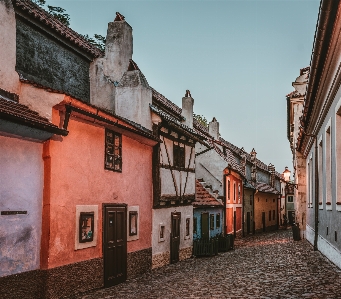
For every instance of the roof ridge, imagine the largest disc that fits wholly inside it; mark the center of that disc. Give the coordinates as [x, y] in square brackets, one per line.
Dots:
[43, 16]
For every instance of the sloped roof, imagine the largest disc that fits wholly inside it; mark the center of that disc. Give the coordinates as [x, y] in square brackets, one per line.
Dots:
[161, 100]
[203, 197]
[18, 113]
[263, 187]
[172, 119]
[44, 17]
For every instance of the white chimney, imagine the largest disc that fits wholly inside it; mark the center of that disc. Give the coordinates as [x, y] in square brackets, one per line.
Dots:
[118, 48]
[133, 97]
[187, 109]
[106, 72]
[213, 129]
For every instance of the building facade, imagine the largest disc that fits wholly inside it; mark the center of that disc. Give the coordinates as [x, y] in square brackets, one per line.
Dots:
[318, 143]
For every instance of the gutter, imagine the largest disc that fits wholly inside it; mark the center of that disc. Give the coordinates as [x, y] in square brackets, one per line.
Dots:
[70, 108]
[34, 124]
[323, 35]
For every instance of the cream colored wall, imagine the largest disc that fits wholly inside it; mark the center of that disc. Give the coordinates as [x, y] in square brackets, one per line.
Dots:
[9, 78]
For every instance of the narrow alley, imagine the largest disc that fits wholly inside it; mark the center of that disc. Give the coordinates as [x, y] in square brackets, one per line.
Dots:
[269, 265]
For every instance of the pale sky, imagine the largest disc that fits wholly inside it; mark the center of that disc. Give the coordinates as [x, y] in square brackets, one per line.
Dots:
[238, 58]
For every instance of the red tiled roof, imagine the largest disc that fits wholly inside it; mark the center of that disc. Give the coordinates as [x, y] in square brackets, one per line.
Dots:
[21, 113]
[44, 17]
[203, 197]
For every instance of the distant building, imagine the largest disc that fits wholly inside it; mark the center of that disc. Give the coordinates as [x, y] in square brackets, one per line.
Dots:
[287, 198]
[207, 213]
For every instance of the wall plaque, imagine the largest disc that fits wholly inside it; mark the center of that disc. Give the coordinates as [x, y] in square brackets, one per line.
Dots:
[13, 212]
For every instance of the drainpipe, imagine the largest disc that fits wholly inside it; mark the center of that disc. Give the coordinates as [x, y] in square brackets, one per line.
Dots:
[316, 191]
[243, 219]
[316, 198]
[224, 199]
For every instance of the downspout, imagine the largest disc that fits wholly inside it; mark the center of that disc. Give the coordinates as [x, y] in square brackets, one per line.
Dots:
[316, 210]
[316, 198]
[243, 220]
[224, 199]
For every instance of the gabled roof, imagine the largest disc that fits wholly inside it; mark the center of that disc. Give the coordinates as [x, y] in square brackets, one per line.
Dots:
[30, 8]
[263, 187]
[203, 198]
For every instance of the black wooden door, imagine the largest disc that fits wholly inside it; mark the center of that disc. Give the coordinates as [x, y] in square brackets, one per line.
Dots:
[114, 244]
[248, 222]
[263, 221]
[175, 237]
[291, 217]
[204, 226]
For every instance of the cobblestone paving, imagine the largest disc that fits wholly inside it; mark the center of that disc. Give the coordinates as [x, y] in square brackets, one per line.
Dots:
[269, 265]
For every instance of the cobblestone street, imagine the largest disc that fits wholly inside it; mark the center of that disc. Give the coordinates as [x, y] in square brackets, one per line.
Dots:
[269, 265]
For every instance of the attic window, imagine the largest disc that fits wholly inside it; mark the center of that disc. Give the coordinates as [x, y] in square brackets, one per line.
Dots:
[113, 151]
[179, 155]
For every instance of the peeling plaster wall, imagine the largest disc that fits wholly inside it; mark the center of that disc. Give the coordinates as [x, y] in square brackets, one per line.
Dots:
[21, 189]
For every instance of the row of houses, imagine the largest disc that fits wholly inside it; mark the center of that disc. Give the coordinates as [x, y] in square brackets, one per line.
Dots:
[313, 122]
[102, 177]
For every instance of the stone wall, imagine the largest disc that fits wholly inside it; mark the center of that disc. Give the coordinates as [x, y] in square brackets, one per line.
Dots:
[43, 60]
[28, 285]
[161, 259]
[185, 253]
[139, 262]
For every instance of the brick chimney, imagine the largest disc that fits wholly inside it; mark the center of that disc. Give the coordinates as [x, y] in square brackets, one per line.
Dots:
[271, 169]
[187, 109]
[254, 165]
[213, 129]
[243, 160]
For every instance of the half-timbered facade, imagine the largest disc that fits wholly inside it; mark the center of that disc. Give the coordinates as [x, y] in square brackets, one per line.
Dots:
[173, 179]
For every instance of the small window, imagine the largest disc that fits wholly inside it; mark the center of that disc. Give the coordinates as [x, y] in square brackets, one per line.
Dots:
[179, 155]
[161, 232]
[250, 200]
[187, 226]
[273, 215]
[195, 228]
[290, 199]
[132, 223]
[273, 200]
[113, 151]
[86, 227]
[211, 221]
[269, 215]
[238, 192]
[234, 192]
[218, 220]
[228, 190]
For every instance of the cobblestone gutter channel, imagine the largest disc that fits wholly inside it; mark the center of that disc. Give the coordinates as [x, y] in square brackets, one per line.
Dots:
[267, 265]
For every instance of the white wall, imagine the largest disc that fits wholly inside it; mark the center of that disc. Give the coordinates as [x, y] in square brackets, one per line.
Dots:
[21, 189]
[164, 216]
